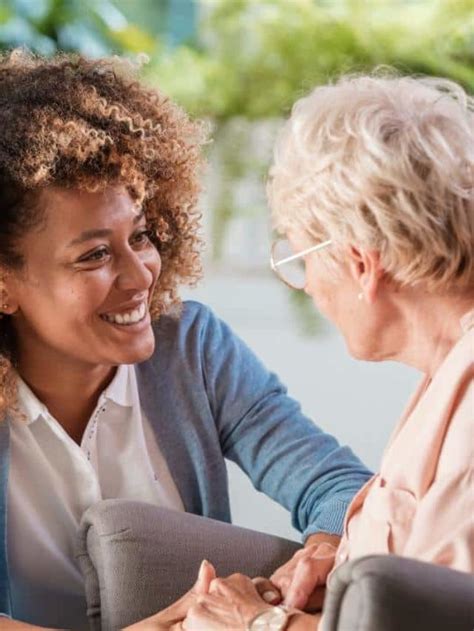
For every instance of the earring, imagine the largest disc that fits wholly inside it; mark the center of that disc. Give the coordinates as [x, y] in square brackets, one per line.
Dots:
[360, 296]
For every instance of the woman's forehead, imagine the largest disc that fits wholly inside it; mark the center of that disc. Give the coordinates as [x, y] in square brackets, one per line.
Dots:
[70, 209]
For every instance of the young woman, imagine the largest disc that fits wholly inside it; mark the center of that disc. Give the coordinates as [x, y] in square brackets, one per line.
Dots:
[109, 388]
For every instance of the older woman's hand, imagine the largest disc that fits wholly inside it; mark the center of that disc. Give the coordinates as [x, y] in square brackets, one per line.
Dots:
[170, 619]
[230, 604]
[301, 581]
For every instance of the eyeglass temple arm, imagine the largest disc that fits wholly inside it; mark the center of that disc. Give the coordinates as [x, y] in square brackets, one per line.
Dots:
[313, 248]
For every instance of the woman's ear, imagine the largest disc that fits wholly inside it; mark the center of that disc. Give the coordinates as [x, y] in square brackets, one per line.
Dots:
[8, 304]
[367, 272]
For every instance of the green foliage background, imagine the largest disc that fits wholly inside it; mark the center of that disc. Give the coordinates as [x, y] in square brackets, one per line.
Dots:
[253, 58]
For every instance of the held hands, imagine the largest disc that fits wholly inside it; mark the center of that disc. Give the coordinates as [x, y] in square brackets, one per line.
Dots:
[301, 581]
[230, 604]
[234, 601]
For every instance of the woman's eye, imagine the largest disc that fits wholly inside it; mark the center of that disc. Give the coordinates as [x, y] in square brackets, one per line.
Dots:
[97, 255]
[143, 237]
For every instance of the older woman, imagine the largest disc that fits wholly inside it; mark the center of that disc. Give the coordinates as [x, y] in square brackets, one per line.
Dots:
[372, 189]
[107, 388]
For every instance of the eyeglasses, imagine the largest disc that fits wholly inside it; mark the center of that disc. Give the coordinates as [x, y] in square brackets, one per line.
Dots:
[290, 267]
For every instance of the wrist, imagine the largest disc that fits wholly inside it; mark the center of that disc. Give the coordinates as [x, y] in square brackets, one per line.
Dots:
[322, 537]
[304, 622]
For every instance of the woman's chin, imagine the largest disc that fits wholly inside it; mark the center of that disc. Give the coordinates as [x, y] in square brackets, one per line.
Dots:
[136, 353]
[358, 351]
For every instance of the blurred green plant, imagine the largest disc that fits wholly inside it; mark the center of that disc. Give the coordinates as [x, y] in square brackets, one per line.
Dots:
[91, 27]
[254, 58]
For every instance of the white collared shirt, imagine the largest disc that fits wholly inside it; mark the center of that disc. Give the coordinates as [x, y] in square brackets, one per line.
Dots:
[53, 481]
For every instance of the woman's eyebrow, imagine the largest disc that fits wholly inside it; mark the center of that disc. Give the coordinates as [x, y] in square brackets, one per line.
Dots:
[87, 235]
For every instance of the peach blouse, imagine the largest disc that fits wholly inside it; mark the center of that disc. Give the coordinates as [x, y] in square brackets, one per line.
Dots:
[421, 504]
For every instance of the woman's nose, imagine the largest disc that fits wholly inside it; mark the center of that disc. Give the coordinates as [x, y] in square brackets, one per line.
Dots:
[138, 273]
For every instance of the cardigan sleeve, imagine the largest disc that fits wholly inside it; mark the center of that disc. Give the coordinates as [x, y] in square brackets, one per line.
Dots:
[264, 432]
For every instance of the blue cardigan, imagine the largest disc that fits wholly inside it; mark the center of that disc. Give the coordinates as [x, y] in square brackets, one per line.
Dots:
[208, 398]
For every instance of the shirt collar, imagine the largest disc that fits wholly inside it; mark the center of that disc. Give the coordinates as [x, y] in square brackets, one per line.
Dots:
[29, 403]
[467, 321]
[119, 390]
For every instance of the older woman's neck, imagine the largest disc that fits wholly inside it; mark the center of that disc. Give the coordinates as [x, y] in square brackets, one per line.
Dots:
[430, 327]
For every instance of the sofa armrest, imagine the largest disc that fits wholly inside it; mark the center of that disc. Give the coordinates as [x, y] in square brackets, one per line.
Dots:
[137, 558]
[392, 593]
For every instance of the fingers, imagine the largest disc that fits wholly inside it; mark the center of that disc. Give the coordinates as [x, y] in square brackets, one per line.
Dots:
[268, 592]
[305, 580]
[310, 573]
[206, 575]
[230, 585]
[288, 567]
[323, 553]
[236, 586]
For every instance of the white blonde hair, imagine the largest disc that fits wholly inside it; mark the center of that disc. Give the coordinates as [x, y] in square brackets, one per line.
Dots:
[387, 163]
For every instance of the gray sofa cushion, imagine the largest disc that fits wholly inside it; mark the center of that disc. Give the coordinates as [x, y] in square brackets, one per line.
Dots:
[390, 593]
[137, 558]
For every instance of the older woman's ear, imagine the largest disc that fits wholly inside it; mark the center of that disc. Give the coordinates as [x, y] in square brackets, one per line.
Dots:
[366, 270]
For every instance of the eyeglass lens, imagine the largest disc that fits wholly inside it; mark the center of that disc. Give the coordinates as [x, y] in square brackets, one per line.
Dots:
[292, 272]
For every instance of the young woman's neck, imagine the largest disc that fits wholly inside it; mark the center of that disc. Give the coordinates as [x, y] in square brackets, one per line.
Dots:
[69, 390]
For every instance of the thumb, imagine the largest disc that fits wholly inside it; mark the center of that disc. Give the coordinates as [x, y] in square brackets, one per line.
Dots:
[206, 575]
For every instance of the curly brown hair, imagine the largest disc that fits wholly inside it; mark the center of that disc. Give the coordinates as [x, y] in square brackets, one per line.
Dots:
[73, 122]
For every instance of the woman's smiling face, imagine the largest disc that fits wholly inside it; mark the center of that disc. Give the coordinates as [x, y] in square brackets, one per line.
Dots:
[90, 263]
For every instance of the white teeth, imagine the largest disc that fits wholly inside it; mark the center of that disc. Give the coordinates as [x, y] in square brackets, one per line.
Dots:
[127, 318]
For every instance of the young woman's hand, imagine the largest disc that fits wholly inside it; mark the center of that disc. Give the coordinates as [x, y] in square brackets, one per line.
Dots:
[301, 581]
[170, 619]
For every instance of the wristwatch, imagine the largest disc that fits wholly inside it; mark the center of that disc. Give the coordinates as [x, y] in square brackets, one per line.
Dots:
[272, 619]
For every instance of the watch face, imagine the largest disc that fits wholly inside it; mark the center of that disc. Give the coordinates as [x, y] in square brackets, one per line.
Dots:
[273, 619]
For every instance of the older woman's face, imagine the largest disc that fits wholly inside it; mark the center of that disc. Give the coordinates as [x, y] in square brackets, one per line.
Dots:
[90, 272]
[336, 297]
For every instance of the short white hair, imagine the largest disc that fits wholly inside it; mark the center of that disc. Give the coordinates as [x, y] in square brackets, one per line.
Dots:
[387, 163]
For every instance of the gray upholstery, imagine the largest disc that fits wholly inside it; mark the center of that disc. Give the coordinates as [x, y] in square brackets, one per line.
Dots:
[137, 558]
[390, 593]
